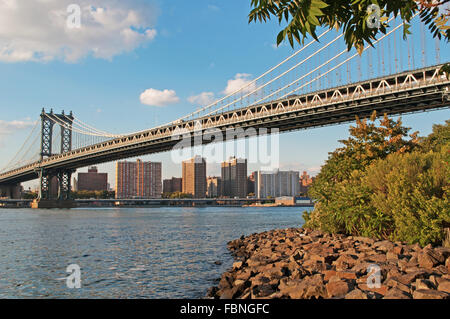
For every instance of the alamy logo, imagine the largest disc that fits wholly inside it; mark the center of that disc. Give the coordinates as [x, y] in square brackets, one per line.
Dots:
[74, 279]
[74, 17]
[374, 278]
[258, 146]
[373, 20]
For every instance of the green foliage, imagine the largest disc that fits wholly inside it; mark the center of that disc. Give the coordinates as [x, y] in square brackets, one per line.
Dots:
[176, 195]
[437, 139]
[93, 194]
[413, 190]
[382, 185]
[29, 195]
[302, 17]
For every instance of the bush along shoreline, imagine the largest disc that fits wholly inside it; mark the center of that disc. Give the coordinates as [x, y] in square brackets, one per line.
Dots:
[300, 263]
[386, 184]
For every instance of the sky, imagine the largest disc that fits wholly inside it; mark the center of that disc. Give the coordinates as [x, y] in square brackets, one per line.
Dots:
[135, 64]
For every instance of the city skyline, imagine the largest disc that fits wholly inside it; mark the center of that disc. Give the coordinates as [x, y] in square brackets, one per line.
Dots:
[144, 180]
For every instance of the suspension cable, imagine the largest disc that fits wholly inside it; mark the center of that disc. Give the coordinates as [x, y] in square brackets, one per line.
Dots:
[251, 82]
[342, 52]
[66, 125]
[351, 57]
[279, 76]
[305, 75]
[80, 123]
[22, 147]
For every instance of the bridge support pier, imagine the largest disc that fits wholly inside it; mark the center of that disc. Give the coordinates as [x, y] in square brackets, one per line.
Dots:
[52, 203]
[54, 191]
[55, 188]
[13, 191]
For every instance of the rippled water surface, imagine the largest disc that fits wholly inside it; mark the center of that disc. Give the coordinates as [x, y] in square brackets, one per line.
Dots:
[164, 252]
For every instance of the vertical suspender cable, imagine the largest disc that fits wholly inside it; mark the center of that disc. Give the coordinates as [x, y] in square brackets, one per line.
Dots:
[437, 44]
[395, 52]
[422, 36]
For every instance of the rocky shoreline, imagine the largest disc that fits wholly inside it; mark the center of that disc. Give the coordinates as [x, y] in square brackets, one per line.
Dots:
[300, 263]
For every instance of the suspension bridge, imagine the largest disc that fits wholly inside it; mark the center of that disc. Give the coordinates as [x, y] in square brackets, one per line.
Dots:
[320, 84]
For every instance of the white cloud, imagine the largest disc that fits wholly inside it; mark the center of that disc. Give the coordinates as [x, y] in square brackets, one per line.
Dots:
[213, 7]
[241, 80]
[38, 30]
[8, 128]
[202, 99]
[155, 97]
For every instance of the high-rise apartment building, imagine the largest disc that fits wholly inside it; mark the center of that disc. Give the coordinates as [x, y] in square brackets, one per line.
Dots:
[149, 183]
[251, 189]
[138, 179]
[234, 178]
[194, 177]
[126, 179]
[213, 187]
[276, 184]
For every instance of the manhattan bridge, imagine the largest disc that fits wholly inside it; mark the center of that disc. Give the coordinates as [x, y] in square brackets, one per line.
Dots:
[320, 84]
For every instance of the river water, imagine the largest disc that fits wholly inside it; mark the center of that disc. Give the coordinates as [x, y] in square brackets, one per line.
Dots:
[164, 252]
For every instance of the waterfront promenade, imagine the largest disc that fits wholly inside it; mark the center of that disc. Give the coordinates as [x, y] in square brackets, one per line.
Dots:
[182, 202]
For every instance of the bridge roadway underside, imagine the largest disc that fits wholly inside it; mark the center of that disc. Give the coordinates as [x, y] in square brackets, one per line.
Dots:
[341, 112]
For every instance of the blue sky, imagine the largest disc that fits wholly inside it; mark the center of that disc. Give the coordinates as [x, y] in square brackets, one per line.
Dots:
[188, 47]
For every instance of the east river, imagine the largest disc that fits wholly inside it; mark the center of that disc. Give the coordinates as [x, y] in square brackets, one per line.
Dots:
[164, 252]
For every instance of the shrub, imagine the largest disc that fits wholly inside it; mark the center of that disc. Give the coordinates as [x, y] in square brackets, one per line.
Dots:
[383, 185]
[412, 189]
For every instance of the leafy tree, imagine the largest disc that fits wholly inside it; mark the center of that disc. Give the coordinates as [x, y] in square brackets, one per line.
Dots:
[367, 142]
[338, 188]
[303, 17]
[438, 138]
[382, 185]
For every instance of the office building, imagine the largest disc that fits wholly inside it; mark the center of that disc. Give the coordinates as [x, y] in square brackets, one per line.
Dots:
[173, 185]
[92, 180]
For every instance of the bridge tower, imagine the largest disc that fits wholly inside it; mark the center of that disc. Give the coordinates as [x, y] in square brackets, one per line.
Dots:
[48, 177]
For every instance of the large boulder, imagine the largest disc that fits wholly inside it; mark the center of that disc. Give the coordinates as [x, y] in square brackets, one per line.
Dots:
[356, 294]
[444, 286]
[430, 258]
[396, 293]
[337, 289]
[430, 294]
